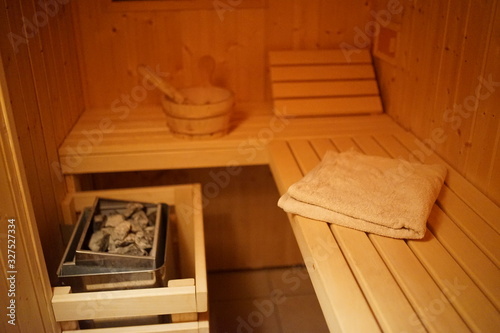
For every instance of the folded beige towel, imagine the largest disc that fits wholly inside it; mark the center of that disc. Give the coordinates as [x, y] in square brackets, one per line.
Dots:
[374, 194]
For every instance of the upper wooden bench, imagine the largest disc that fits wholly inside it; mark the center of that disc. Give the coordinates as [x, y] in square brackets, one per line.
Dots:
[142, 141]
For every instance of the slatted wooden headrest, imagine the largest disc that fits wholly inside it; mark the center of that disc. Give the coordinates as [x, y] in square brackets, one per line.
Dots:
[323, 82]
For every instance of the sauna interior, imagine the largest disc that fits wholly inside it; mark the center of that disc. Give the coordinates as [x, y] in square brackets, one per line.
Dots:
[436, 66]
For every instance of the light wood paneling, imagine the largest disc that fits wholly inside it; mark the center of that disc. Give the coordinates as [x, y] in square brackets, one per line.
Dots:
[24, 285]
[448, 50]
[114, 43]
[44, 85]
[297, 92]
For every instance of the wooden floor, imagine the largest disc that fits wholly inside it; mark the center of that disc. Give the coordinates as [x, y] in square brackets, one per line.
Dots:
[276, 300]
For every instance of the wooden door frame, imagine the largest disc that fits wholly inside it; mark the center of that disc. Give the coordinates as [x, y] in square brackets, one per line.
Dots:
[33, 293]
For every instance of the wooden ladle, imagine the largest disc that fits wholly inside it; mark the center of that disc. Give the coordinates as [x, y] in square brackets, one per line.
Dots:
[161, 84]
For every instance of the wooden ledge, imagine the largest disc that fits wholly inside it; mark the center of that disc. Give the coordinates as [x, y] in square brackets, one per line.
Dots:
[106, 141]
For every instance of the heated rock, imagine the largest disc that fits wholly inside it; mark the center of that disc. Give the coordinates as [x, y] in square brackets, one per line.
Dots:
[132, 250]
[130, 239]
[99, 241]
[141, 218]
[114, 220]
[130, 231]
[150, 231]
[143, 241]
[132, 207]
[135, 226]
[121, 230]
[99, 222]
[152, 218]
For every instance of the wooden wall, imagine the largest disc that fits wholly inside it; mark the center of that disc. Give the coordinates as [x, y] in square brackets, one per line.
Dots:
[41, 69]
[113, 43]
[445, 48]
[448, 49]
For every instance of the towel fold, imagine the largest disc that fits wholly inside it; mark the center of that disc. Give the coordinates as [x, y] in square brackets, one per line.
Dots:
[374, 194]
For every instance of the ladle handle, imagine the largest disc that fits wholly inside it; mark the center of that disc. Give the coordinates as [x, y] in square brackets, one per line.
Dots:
[166, 88]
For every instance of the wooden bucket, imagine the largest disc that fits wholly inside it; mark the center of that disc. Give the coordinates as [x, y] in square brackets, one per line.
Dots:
[205, 114]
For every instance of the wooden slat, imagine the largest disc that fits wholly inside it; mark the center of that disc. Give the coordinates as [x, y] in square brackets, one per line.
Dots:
[475, 309]
[322, 73]
[384, 295]
[482, 233]
[369, 146]
[190, 327]
[345, 144]
[307, 89]
[341, 300]
[419, 287]
[155, 301]
[182, 317]
[317, 57]
[471, 195]
[382, 292]
[329, 271]
[329, 106]
[304, 154]
[199, 251]
[166, 160]
[477, 265]
[324, 89]
[282, 164]
[321, 146]
[184, 212]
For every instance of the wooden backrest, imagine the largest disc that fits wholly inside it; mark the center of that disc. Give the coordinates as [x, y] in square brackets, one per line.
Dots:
[323, 82]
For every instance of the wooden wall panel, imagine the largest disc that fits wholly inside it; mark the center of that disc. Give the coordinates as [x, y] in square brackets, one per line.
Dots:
[44, 89]
[113, 43]
[447, 49]
[483, 159]
[21, 257]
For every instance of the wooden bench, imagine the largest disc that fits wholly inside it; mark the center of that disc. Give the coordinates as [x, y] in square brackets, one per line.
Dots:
[447, 282]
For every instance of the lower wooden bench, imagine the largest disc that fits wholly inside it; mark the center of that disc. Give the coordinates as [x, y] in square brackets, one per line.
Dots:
[447, 282]
[185, 298]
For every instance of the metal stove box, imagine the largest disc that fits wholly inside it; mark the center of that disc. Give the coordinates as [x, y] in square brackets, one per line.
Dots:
[85, 270]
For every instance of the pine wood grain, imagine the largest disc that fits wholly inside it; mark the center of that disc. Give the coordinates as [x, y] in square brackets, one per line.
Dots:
[447, 50]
